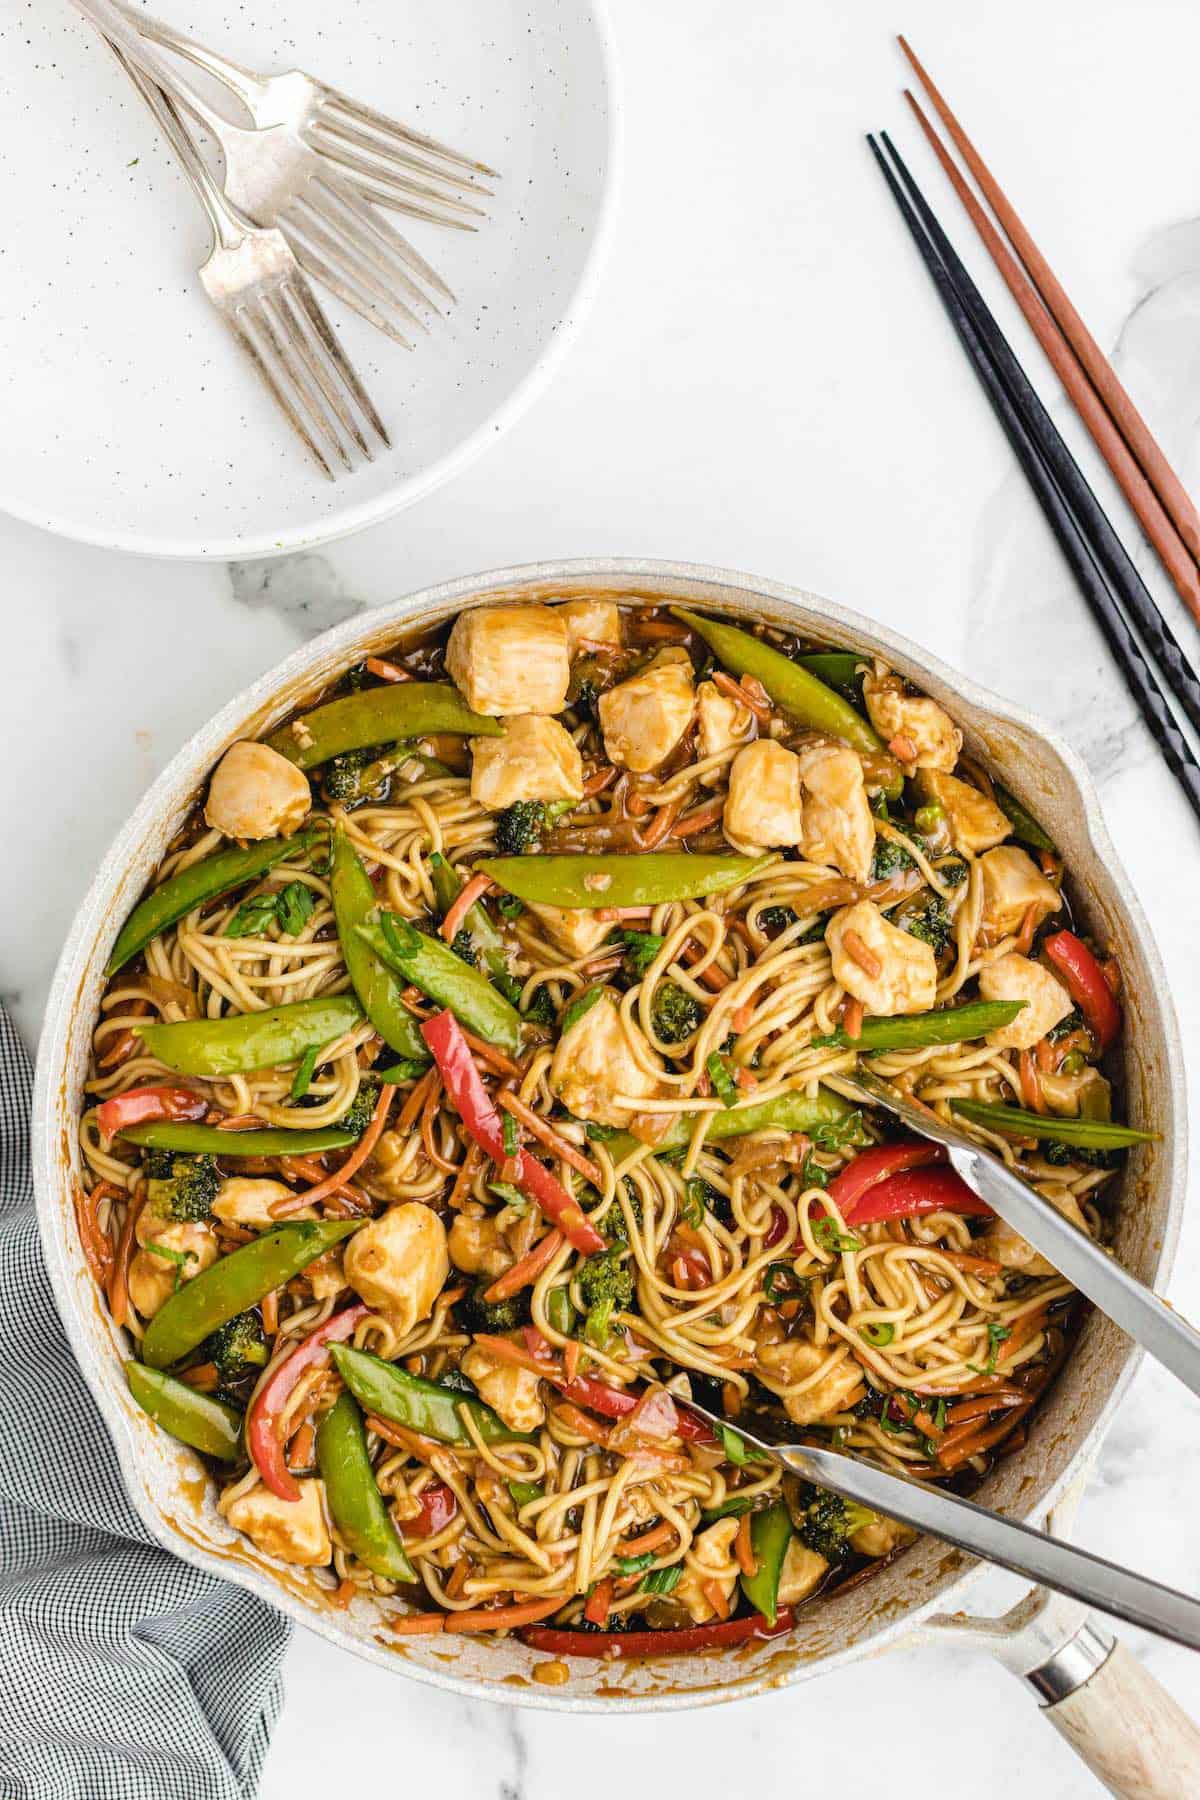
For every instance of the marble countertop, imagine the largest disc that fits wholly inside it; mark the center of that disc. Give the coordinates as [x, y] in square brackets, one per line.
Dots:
[766, 382]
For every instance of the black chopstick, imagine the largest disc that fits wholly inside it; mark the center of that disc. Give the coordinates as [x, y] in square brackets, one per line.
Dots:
[1071, 532]
[1107, 547]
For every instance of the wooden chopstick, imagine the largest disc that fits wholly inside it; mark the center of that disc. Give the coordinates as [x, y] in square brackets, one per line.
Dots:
[1129, 421]
[1026, 434]
[1155, 522]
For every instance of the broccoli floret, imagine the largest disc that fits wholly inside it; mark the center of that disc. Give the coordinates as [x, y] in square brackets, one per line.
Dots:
[827, 1522]
[181, 1187]
[357, 777]
[1064, 1028]
[1061, 1154]
[358, 1117]
[478, 1314]
[891, 857]
[519, 827]
[541, 1009]
[464, 946]
[953, 871]
[613, 1224]
[775, 918]
[587, 700]
[456, 1381]
[237, 1347]
[674, 1013]
[641, 948]
[605, 1287]
[933, 925]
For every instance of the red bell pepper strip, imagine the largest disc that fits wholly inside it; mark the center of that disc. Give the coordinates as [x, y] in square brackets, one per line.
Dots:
[262, 1421]
[452, 1053]
[619, 1644]
[142, 1106]
[438, 1504]
[1087, 986]
[915, 1191]
[876, 1164]
[618, 1403]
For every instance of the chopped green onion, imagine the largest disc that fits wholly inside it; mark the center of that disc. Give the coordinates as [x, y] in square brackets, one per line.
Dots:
[633, 1565]
[732, 1507]
[294, 908]
[523, 1492]
[510, 1138]
[407, 1069]
[641, 948]
[661, 1581]
[691, 1207]
[781, 1282]
[830, 1238]
[839, 1132]
[878, 1335]
[511, 1196]
[723, 1082]
[996, 1336]
[252, 916]
[580, 1005]
[302, 1080]
[736, 1449]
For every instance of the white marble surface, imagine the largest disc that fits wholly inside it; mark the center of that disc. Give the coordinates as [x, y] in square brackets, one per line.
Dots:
[766, 382]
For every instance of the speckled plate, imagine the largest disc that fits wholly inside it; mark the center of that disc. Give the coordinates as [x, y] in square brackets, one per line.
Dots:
[131, 418]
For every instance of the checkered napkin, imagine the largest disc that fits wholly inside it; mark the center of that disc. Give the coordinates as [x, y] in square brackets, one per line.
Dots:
[124, 1674]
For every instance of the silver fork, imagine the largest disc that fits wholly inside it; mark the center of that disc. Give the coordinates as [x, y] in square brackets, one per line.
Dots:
[255, 283]
[379, 154]
[275, 179]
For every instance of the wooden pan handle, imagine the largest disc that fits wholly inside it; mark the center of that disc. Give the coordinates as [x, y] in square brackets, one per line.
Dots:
[1130, 1732]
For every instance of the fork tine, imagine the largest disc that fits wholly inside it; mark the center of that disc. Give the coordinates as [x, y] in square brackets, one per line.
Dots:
[341, 280]
[297, 360]
[397, 155]
[339, 197]
[357, 261]
[305, 303]
[239, 324]
[390, 189]
[318, 363]
[338, 102]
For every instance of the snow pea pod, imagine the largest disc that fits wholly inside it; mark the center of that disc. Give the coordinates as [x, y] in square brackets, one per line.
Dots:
[1088, 1134]
[770, 1535]
[838, 669]
[795, 690]
[355, 1503]
[383, 1388]
[207, 1140]
[792, 1111]
[236, 1283]
[201, 1420]
[379, 715]
[433, 967]
[206, 880]
[355, 902]
[649, 879]
[953, 1025]
[246, 1041]
[1025, 827]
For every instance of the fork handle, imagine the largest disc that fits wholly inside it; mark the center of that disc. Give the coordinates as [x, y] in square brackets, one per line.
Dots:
[240, 81]
[136, 49]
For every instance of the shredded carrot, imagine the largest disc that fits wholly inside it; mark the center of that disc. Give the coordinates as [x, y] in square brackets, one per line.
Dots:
[414, 1100]
[599, 1603]
[542, 1130]
[204, 1377]
[1024, 937]
[342, 1595]
[717, 1598]
[428, 1115]
[118, 1280]
[401, 1438]
[862, 954]
[97, 1245]
[973, 1265]
[713, 978]
[1031, 1087]
[352, 1164]
[458, 1577]
[745, 1079]
[503, 1349]
[737, 691]
[978, 1406]
[747, 1562]
[699, 819]
[466, 1174]
[300, 1451]
[622, 912]
[419, 1624]
[270, 1312]
[495, 1059]
[903, 748]
[1027, 1326]
[503, 1618]
[571, 1360]
[1046, 1056]
[649, 1540]
[741, 1017]
[577, 1421]
[953, 1455]
[386, 671]
[239, 1122]
[598, 780]
[461, 905]
[660, 826]
[526, 1271]
[852, 1019]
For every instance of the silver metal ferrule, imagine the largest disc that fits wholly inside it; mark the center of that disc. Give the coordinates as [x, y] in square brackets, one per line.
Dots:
[1071, 1665]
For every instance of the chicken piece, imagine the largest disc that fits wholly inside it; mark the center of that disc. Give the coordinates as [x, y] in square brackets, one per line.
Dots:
[599, 621]
[247, 1200]
[880, 1536]
[399, 1263]
[975, 822]
[782, 1366]
[1012, 883]
[256, 793]
[534, 760]
[764, 806]
[293, 1530]
[390, 1168]
[593, 1064]
[1012, 1251]
[1047, 1001]
[802, 1573]
[900, 975]
[709, 1559]
[156, 1270]
[478, 1246]
[721, 722]
[575, 929]
[509, 1391]
[1086, 1095]
[928, 727]
[644, 718]
[327, 1276]
[838, 826]
[510, 659]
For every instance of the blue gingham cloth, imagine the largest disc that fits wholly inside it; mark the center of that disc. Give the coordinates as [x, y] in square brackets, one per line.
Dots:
[124, 1673]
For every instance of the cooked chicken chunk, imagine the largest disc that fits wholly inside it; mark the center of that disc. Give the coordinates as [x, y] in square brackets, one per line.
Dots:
[880, 1536]
[1047, 1001]
[598, 621]
[644, 718]
[1009, 1248]
[801, 1575]
[1012, 883]
[593, 1064]
[764, 806]
[782, 1366]
[709, 1559]
[721, 721]
[534, 760]
[575, 929]
[174, 1251]
[327, 1276]
[478, 1246]
[975, 822]
[247, 1200]
[399, 1263]
[1086, 1095]
[293, 1530]
[510, 659]
[509, 1391]
[256, 793]
[838, 827]
[928, 727]
[889, 970]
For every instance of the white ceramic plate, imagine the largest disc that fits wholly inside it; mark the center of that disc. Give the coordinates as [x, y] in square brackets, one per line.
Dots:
[130, 416]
